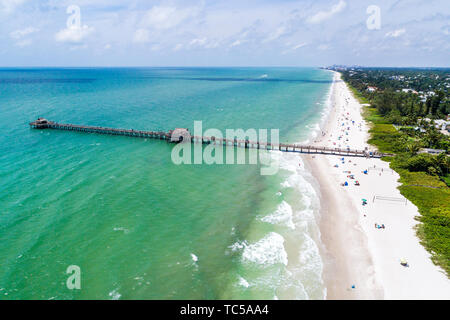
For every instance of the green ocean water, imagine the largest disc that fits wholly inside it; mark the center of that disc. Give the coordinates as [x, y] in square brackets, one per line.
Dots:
[137, 225]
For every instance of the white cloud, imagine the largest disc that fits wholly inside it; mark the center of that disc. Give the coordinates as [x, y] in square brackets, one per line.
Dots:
[293, 48]
[324, 15]
[73, 34]
[236, 43]
[298, 46]
[198, 42]
[24, 43]
[141, 36]
[275, 35]
[395, 33]
[165, 17]
[8, 6]
[203, 43]
[197, 25]
[17, 34]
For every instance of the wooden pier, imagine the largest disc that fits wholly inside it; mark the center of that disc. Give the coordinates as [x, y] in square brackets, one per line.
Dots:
[182, 135]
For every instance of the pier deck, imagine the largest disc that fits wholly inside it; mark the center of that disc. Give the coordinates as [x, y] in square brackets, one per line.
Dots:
[161, 135]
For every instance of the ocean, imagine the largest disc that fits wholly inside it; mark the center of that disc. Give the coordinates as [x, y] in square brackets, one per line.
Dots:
[137, 225]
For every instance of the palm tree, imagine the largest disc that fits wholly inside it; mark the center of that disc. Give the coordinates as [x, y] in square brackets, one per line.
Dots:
[443, 162]
[413, 147]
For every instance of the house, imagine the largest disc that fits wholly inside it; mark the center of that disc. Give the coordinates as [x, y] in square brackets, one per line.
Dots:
[409, 90]
[371, 89]
[431, 151]
[398, 78]
[420, 129]
[441, 124]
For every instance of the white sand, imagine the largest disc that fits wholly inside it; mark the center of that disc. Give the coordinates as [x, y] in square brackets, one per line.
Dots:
[358, 253]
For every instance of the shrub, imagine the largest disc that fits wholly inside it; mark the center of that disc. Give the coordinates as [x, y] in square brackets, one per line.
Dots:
[420, 162]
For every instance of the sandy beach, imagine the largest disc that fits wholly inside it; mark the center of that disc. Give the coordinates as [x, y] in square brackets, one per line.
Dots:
[363, 259]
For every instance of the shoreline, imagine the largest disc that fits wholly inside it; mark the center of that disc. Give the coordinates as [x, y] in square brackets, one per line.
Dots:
[361, 261]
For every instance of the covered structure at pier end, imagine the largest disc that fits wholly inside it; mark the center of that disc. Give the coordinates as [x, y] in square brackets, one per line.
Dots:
[180, 135]
[40, 123]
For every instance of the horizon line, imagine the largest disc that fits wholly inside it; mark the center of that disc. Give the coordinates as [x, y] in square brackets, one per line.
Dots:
[231, 66]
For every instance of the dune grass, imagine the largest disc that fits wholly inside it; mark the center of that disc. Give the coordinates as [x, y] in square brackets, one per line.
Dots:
[385, 137]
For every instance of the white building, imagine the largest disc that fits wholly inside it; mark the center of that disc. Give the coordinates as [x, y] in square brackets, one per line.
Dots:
[441, 124]
[409, 90]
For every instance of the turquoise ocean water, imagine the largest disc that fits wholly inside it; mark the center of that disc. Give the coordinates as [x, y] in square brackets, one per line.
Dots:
[137, 225]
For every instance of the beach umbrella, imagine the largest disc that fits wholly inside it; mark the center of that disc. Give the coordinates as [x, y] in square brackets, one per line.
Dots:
[365, 200]
[403, 261]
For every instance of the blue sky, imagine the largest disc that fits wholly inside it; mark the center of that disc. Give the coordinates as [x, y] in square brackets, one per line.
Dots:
[224, 33]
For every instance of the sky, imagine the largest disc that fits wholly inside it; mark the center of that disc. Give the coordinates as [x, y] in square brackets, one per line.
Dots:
[395, 33]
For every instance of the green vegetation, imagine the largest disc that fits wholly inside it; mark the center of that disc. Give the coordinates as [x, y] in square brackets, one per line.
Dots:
[403, 96]
[397, 128]
[385, 137]
[446, 179]
[434, 207]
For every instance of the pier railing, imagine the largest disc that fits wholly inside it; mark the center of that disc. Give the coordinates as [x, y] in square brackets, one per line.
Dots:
[169, 136]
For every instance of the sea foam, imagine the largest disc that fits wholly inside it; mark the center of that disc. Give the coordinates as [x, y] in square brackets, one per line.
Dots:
[243, 282]
[115, 295]
[283, 216]
[267, 251]
[304, 274]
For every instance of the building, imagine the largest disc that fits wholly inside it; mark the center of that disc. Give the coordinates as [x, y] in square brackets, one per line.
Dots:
[431, 151]
[409, 90]
[180, 135]
[441, 124]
